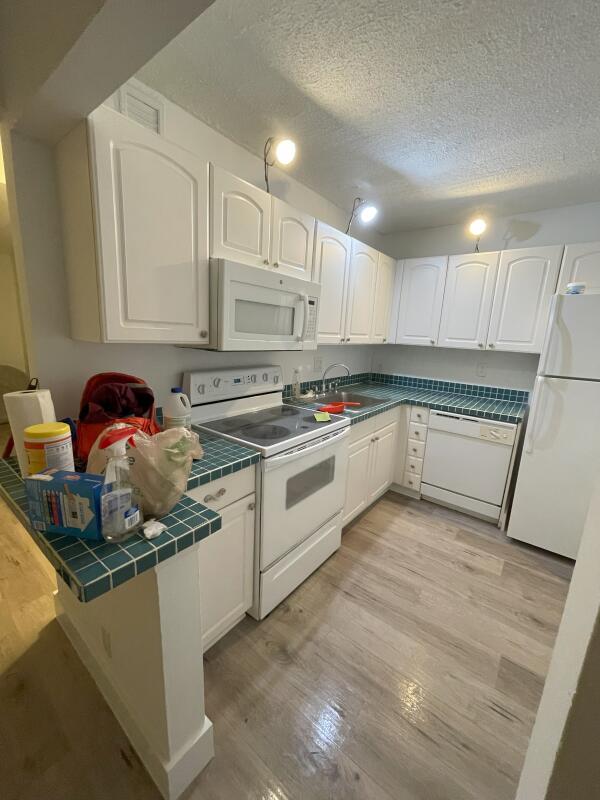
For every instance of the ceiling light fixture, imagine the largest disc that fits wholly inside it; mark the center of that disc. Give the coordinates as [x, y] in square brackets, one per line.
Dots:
[477, 227]
[365, 211]
[284, 154]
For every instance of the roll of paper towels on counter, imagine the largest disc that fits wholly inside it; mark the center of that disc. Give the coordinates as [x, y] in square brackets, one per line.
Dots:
[25, 408]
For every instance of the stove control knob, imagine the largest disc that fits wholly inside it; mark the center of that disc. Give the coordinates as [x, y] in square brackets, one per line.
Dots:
[265, 376]
[200, 388]
[252, 378]
[276, 379]
[216, 382]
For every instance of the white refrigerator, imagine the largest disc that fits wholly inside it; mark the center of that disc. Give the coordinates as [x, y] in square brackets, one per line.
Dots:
[561, 452]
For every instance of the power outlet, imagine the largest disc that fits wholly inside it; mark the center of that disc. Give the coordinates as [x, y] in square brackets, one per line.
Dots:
[318, 364]
[481, 369]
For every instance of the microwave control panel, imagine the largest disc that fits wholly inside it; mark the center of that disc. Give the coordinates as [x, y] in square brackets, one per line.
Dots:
[228, 384]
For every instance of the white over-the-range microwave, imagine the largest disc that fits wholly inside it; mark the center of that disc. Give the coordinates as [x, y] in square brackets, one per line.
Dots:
[259, 309]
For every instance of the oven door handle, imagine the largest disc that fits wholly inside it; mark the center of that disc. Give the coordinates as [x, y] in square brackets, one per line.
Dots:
[285, 458]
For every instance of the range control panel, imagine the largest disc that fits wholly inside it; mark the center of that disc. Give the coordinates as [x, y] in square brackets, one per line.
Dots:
[227, 384]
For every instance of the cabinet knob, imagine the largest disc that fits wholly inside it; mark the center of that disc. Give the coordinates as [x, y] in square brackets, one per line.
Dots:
[348, 339]
[342, 339]
[251, 506]
[412, 466]
[203, 334]
[266, 262]
[384, 339]
[432, 341]
[491, 344]
[480, 344]
[276, 264]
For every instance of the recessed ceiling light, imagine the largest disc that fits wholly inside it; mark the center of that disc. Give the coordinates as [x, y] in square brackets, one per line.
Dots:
[368, 214]
[477, 226]
[285, 152]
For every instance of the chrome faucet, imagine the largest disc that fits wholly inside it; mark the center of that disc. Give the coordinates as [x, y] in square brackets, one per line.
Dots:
[330, 367]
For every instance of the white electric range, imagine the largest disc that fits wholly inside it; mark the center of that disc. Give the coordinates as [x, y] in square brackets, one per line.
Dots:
[302, 477]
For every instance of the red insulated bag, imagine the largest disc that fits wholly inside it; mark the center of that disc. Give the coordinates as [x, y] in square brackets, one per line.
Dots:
[111, 397]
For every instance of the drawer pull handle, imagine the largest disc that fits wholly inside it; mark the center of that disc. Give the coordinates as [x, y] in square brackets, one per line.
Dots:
[212, 497]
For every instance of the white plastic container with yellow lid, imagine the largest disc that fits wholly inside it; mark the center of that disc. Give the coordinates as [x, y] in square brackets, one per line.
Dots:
[48, 444]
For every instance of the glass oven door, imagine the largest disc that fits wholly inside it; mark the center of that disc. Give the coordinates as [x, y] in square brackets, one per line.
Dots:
[301, 490]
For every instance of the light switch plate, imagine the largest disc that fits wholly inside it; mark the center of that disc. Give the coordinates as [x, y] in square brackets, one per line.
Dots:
[481, 370]
[318, 363]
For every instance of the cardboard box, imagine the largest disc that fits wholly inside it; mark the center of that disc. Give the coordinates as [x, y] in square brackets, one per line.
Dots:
[65, 502]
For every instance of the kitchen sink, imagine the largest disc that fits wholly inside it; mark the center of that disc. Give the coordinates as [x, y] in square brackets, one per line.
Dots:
[349, 397]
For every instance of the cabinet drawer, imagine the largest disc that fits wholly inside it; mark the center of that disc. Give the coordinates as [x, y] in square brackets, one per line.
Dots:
[414, 465]
[221, 492]
[417, 431]
[412, 481]
[419, 414]
[415, 449]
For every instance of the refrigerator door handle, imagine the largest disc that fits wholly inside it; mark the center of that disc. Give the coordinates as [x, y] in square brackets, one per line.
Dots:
[554, 304]
[530, 437]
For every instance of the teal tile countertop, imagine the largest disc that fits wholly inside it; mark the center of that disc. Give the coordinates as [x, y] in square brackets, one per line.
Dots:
[221, 457]
[495, 408]
[93, 568]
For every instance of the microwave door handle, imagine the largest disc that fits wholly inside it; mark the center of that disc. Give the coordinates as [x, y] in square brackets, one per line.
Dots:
[304, 300]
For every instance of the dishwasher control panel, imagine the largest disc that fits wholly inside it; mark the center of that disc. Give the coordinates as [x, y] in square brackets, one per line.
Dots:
[473, 427]
[494, 433]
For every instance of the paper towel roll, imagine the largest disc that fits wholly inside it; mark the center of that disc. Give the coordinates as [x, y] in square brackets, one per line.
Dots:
[23, 409]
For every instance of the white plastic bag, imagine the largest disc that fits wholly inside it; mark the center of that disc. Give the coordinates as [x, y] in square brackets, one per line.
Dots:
[160, 466]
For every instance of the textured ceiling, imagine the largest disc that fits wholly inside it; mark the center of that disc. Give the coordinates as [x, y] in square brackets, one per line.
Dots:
[432, 108]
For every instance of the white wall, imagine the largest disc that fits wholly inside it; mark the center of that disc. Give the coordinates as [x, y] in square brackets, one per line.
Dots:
[64, 364]
[553, 226]
[510, 370]
[562, 758]
[12, 352]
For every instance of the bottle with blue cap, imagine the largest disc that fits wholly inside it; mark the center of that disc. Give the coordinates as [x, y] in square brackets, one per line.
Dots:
[177, 412]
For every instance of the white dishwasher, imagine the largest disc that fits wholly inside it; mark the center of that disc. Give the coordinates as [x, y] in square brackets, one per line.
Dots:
[467, 462]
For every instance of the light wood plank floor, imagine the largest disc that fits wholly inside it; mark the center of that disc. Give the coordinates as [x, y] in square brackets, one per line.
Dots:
[409, 667]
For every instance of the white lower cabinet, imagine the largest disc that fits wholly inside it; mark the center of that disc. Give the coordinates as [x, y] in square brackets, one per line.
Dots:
[226, 558]
[371, 462]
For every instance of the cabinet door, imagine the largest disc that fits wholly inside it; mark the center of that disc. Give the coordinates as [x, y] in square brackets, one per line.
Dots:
[357, 488]
[292, 240]
[332, 271]
[470, 283]
[151, 224]
[384, 292]
[421, 297]
[240, 219]
[226, 562]
[526, 283]
[581, 263]
[361, 295]
[383, 461]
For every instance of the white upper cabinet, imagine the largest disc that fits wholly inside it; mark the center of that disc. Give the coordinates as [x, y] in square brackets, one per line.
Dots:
[581, 263]
[240, 219]
[384, 291]
[421, 298]
[332, 270]
[526, 282]
[141, 274]
[361, 296]
[470, 283]
[292, 240]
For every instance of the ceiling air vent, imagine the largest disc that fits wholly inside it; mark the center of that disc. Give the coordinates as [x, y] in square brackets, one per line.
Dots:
[142, 110]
